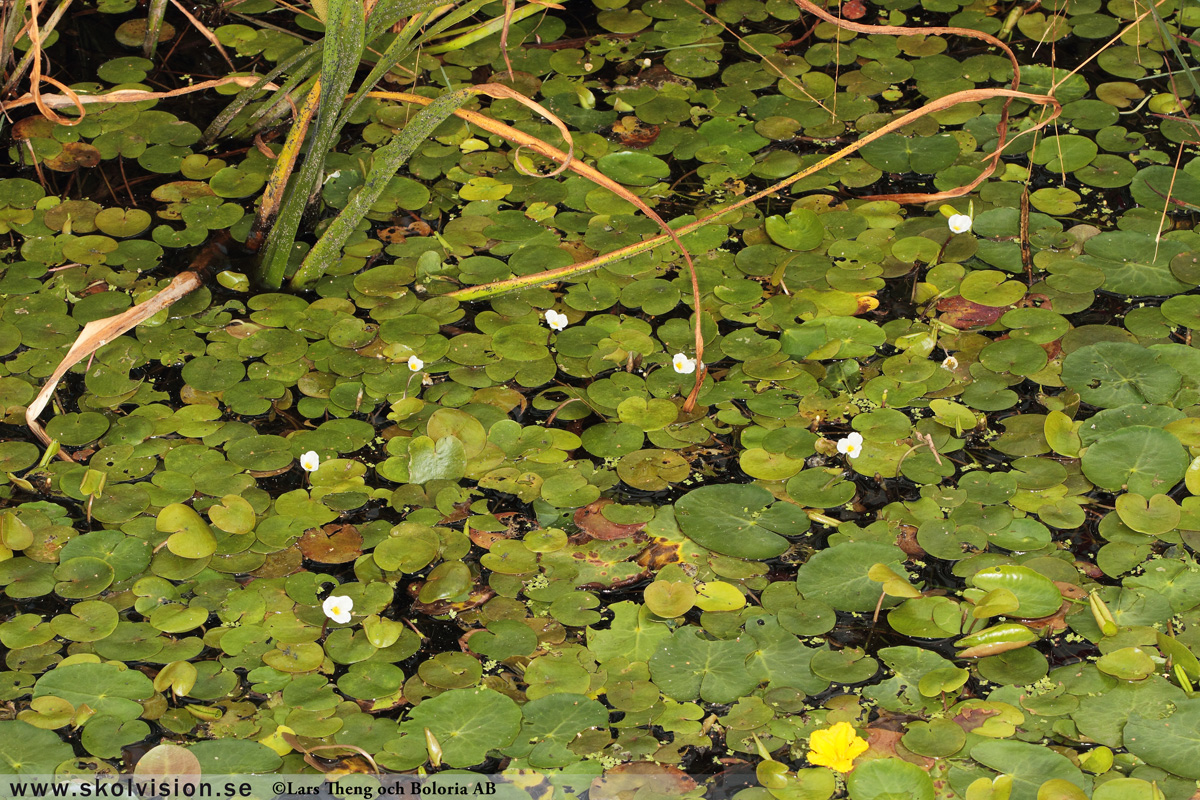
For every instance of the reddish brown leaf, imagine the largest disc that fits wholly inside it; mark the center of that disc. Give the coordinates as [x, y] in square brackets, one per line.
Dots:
[906, 540]
[486, 539]
[332, 544]
[634, 133]
[460, 512]
[963, 314]
[883, 741]
[1070, 590]
[971, 718]
[591, 519]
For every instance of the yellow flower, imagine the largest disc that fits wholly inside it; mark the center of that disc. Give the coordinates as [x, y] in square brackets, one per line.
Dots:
[836, 747]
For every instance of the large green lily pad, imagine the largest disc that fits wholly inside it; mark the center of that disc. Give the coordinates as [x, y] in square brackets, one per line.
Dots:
[107, 688]
[838, 576]
[467, 723]
[26, 750]
[1139, 459]
[737, 521]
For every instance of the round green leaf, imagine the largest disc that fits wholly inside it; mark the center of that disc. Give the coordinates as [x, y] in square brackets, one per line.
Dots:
[467, 723]
[838, 575]
[890, 778]
[1111, 374]
[634, 168]
[26, 750]
[1036, 594]
[799, 230]
[110, 689]
[1139, 459]
[89, 621]
[728, 519]
[1168, 743]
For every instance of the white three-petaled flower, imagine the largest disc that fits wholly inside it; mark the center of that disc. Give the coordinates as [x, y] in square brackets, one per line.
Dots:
[960, 223]
[415, 364]
[851, 445]
[950, 363]
[555, 320]
[683, 365]
[338, 608]
[310, 461]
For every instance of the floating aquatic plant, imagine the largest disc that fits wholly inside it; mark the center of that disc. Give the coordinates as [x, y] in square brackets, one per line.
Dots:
[565, 555]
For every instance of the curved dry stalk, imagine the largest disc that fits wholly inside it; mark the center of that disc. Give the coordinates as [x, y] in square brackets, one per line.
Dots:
[69, 98]
[902, 30]
[36, 79]
[574, 270]
[13, 32]
[100, 332]
[568, 161]
[205, 32]
[499, 90]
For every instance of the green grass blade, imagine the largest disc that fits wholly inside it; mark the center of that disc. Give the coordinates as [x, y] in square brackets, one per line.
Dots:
[1169, 38]
[154, 20]
[484, 30]
[345, 37]
[294, 66]
[401, 48]
[18, 73]
[387, 160]
[13, 23]
[386, 13]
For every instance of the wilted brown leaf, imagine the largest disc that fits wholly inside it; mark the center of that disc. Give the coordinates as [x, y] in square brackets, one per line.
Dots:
[332, 544]
[591, 519]
[964, 315]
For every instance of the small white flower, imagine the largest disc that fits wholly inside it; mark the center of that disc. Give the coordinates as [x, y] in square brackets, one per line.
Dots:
[555, 320]
[960, 223]
[415, 364]
[310, 461]
[683, 365]
[851, 445]
[950, 363]
[338, 608]
[645, 62]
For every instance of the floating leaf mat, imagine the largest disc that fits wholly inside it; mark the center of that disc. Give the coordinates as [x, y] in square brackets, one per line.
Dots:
[934, 491]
